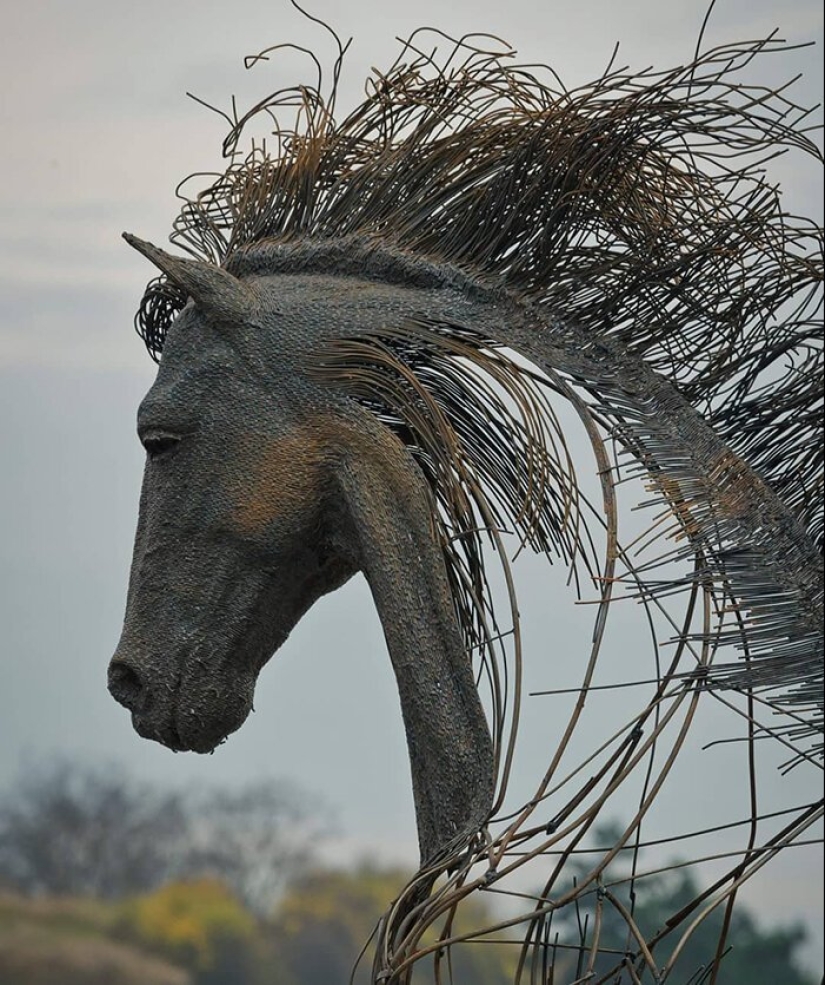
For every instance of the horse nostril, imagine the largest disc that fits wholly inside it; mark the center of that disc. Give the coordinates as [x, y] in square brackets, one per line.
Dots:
[125, 685]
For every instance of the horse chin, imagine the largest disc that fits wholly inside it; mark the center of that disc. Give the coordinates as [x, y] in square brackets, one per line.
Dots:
[165, 733]
[195, 725]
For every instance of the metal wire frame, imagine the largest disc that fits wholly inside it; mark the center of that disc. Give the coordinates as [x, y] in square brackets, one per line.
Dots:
[647, 235]
[581, 797]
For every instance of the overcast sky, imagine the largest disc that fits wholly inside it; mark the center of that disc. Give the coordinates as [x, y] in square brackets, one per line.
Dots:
[96, 133]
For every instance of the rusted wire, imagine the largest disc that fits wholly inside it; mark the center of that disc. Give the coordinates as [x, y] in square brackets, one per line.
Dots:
[634, 214]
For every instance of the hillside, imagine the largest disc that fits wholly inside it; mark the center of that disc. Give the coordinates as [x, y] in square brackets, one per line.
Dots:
[69, 941]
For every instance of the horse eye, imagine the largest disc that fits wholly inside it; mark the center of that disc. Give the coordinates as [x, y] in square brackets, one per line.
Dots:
[159, 444]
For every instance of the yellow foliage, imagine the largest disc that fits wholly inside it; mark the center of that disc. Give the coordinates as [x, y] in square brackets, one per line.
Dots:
[327, 917]
[190, 921]
[354, 901]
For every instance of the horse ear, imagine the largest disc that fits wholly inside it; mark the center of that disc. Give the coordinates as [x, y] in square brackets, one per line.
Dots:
[211, 287]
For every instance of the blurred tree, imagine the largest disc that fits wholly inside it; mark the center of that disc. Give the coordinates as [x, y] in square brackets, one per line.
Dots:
[755, 957]
[327, 917]
[254, 839]
[199, 933]
[65, 830]
[72, 830]
[199, 925]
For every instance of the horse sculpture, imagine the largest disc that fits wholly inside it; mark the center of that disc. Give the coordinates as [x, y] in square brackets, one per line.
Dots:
[340, 391]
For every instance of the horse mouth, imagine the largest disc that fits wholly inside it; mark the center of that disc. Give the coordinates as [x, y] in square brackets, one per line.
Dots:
[194, 722]
[167, 735]
[185, 737]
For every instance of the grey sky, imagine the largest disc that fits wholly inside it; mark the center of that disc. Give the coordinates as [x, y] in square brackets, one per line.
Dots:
[97, 132]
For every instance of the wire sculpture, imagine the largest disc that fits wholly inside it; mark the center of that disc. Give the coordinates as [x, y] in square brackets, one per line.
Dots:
[634, 261]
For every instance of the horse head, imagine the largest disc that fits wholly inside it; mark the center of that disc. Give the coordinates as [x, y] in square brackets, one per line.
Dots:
[264, 490]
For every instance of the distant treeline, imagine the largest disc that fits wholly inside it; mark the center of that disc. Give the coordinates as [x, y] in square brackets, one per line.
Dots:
[108, 881]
